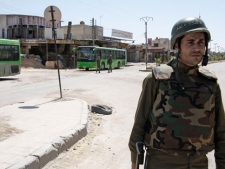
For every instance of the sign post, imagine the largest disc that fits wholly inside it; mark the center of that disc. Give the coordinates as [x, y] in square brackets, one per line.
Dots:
[53, 15]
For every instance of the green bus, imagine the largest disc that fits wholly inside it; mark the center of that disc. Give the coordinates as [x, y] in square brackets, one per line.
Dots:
[87, 55]
[10, 59]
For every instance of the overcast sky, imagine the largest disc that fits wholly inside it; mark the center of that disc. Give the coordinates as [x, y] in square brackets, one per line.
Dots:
[126, 15]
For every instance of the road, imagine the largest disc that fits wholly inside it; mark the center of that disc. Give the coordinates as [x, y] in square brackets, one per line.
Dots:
[106, 145]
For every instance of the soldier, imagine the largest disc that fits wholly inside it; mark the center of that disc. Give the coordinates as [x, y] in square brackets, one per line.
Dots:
[110, 64]
[180, 115]
[98, 62]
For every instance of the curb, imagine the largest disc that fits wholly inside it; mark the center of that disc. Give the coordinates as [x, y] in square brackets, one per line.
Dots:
[49, 152]
[146, 70]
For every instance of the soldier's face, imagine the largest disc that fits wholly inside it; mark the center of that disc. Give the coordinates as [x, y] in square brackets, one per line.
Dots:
[192, 48]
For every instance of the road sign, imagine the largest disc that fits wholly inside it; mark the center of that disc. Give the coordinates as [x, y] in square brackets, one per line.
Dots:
[48, 15]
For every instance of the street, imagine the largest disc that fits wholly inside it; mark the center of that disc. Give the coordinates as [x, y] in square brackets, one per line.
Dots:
[106, 144]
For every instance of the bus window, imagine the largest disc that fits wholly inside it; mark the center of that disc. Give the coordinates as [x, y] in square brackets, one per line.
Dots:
[104, 54]
[121, 55]
[97, 53]
[85, 53]
[9, 53]
[113, 54]
[10, 56]
[109, 53]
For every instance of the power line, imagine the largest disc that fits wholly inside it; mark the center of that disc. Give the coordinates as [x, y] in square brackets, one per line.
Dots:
[13, 10]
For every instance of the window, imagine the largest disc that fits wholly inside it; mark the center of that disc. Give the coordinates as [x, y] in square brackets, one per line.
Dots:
[104, 54]
[97, 53]
[9, 53]
[3, 33]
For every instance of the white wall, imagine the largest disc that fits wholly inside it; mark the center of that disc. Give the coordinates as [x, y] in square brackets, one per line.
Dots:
[59, 33]
[84, 32]
[48, 33]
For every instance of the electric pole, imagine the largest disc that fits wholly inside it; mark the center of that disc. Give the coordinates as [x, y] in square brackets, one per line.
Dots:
[215, 46]
[100, 19]
[146, 19]
[218, 49]
[93, 31]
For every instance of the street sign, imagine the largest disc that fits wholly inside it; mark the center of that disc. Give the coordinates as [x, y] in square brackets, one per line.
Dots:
[48, 15]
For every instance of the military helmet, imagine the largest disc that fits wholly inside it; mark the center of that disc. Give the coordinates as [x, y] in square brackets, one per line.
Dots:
[186, 25]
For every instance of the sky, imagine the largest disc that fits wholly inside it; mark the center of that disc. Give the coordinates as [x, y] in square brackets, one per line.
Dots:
[129, 15]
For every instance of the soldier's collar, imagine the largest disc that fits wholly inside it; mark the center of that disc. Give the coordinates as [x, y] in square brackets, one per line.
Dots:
[189, 70]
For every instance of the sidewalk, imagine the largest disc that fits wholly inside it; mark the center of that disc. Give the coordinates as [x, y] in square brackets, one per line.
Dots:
[46, 128]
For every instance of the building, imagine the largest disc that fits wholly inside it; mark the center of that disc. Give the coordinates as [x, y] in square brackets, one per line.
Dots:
[36, 37]
[157, 48]
[27, 27]
[32, 31]
[84, 32]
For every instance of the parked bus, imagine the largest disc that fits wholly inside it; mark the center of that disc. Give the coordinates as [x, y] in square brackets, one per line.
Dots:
[87, 55]
[10, 59]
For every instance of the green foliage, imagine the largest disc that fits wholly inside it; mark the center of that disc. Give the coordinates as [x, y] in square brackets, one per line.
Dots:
[157, 61]
[171, 57]
[217, 57]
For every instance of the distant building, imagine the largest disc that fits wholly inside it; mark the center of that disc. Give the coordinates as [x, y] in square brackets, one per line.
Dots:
[30, 30]
[36, 37]
[23, 26]
[157, 48]
[85, 32]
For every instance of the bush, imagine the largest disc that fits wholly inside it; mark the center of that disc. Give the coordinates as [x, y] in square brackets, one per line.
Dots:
[157, 61]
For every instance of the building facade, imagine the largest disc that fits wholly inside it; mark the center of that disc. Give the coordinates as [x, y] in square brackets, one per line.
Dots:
[36, 37]
[85, 32]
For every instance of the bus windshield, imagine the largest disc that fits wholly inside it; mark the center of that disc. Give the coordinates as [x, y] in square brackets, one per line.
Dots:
[10, 59]
[9, 52]
[85, 53]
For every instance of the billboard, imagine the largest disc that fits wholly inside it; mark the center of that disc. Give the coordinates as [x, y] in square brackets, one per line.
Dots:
[122, 34]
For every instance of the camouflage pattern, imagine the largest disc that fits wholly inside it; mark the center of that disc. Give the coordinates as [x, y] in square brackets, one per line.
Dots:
[110, 63]
[186, 122]
[183, 114]
[98, 62]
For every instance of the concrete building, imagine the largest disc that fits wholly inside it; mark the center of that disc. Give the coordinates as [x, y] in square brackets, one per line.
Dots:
[85, 32]
[157, 48]
[22, 26]
[32, 31]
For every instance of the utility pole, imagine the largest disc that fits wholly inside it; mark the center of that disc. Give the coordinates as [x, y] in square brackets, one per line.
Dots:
[145, 19]
[210, 46]
[215, 46]
[100, 19]
[93, 31]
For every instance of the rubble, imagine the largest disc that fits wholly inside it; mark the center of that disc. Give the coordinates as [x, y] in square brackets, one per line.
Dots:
[31, 61]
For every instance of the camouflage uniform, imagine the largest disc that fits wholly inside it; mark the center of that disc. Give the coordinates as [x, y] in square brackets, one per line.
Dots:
[98, 65]
[110, 63]
[180, 117]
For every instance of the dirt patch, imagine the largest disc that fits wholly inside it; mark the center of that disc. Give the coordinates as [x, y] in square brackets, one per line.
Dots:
[6, 130]
[31, 61]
